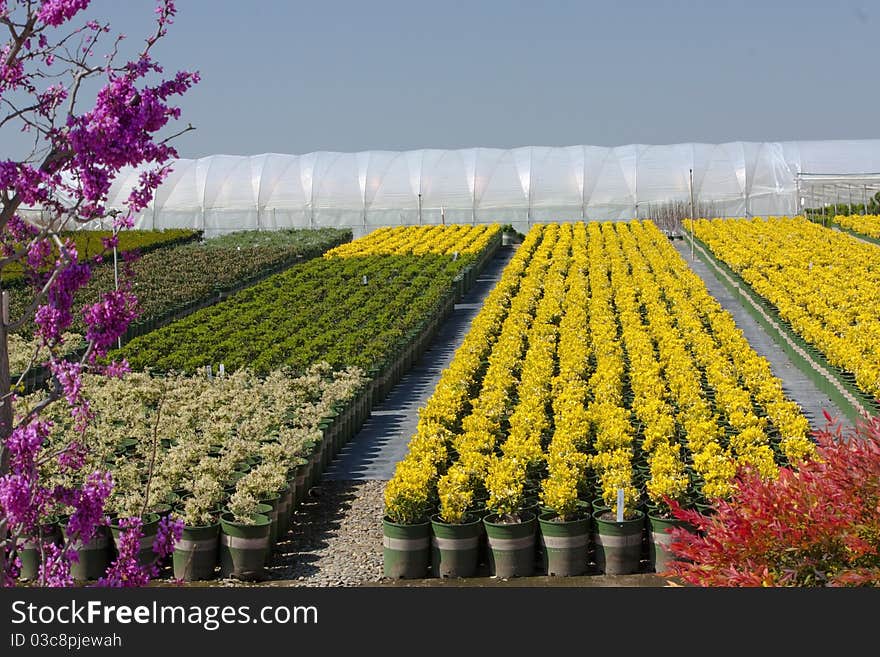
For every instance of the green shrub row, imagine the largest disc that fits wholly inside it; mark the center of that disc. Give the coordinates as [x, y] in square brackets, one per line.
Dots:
[168, 282]
[345, 311]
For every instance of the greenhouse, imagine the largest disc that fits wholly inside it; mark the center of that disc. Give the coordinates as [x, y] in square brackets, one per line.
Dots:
[223, 193]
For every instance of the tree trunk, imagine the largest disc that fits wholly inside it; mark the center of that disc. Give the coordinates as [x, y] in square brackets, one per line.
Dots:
[5, 409]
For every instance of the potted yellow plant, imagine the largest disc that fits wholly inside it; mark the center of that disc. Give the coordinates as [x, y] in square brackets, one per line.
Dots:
[455, 532]
[509, 529]
[565, 522]
[668, 482]
[618, 535]
[406, 529]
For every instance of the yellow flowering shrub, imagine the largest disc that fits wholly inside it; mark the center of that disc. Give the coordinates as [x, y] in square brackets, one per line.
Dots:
[456, 493]
[823, 282]
[868, 224]
[669, 478]
[559, 491]
[505, 482]
[419, 240]
[406, 494]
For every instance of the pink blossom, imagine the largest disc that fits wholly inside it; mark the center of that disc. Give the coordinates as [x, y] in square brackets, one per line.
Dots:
[56, 12]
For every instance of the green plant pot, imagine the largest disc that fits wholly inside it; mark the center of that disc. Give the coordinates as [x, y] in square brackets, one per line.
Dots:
[511, 545]
[455, 548]
[273, 510]
[149, 529]
[659, 552]
[618, 544]
[285, 509]
[301, 482]
[564, 544]
[315, 466]
[244, 548]
[94, 557]
[31, 555]
[196, 553]
[161, 509]
[481, 511]
[406, 549]
[233, 478]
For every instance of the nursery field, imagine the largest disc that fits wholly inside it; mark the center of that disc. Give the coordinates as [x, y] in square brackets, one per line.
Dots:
[598, 386]
[233, 449]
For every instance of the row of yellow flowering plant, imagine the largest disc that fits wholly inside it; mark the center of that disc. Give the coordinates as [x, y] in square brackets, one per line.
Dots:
[866, 224]
[407, 495]
[420, 240]
[824, 283]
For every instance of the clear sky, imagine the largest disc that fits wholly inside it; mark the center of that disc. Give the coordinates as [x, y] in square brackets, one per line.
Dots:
[292, 76]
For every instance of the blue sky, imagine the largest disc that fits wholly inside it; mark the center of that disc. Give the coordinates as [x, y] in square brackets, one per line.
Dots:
[294, 76]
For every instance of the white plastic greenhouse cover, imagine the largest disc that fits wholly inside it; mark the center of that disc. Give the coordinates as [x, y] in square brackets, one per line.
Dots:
[364, 190]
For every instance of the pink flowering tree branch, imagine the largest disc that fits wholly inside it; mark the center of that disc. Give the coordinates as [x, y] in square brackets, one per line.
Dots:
[79, 140]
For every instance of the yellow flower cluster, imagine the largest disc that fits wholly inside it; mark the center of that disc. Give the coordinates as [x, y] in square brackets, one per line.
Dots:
[441, 417]
[506, 416]
[868, 224]
[598, 344]
[824, 283]
[567, 461]
[419, 240]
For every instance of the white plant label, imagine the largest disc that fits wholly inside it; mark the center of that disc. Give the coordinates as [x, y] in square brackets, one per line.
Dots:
[619, 505]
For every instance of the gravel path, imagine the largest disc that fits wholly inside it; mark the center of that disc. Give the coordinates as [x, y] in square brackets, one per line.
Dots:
[335, 539]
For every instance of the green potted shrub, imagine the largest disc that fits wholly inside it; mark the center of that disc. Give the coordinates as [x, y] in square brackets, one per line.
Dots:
[196, 553]
[244, 537]
[266, 483]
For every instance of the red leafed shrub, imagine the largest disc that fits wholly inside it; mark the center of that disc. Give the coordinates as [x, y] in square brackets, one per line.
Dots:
[817, 525]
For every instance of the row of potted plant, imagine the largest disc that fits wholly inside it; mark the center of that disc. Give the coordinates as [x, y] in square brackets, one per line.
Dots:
[630, 332]
[867, 225]
[409, 495]
[823, 284]
[347, 311]
[173, 281]
[209, 441]
[461, 239]
[470, 246]
[230, 455]
[307, 240]
[92, 244]
[24, 352]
